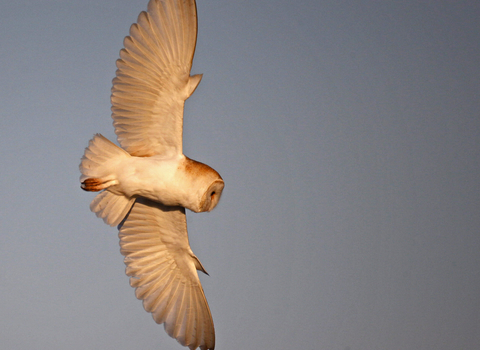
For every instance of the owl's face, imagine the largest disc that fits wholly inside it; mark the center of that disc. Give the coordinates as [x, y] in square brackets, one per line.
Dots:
[211, 196]
[205, 183]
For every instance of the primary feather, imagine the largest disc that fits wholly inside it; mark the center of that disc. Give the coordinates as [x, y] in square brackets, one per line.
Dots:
[153, 79]
[163, 269]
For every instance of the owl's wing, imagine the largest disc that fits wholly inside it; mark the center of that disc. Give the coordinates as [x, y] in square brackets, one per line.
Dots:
[153, 78]
[163, 269]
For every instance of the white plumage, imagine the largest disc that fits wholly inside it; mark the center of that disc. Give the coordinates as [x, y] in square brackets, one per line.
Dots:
[147, 184]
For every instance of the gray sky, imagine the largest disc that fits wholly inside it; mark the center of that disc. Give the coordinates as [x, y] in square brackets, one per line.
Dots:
[348, 136]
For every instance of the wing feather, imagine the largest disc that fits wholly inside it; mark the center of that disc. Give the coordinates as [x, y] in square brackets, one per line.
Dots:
[153, 78]
[161, 266]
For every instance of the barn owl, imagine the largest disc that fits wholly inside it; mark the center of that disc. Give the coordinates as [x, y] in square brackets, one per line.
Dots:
[147, 183]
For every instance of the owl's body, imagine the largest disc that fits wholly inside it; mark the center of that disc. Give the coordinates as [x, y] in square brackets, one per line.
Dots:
[147, 183]
[173, 180]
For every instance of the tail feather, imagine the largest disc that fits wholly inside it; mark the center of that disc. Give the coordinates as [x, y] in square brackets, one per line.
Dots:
[100, 155]
[98, 173]
[110, 207]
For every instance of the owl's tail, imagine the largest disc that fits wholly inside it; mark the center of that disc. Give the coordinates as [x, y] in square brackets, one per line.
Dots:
[98, 173]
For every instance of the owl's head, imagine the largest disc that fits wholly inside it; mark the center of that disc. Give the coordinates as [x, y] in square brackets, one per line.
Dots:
[205, 183]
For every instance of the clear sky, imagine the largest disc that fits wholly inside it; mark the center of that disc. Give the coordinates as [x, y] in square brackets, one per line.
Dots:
[348, 136]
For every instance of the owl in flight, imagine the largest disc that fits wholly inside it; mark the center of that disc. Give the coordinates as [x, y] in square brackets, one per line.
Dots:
[147, 184]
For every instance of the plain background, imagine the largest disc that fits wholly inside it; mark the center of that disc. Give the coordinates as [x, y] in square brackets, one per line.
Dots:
[348, 135]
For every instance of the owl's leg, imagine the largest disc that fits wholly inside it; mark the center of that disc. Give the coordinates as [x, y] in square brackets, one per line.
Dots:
[95, 185]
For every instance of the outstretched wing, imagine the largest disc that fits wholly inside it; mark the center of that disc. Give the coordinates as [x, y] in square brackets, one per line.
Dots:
[153, 78]
[163, 269]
